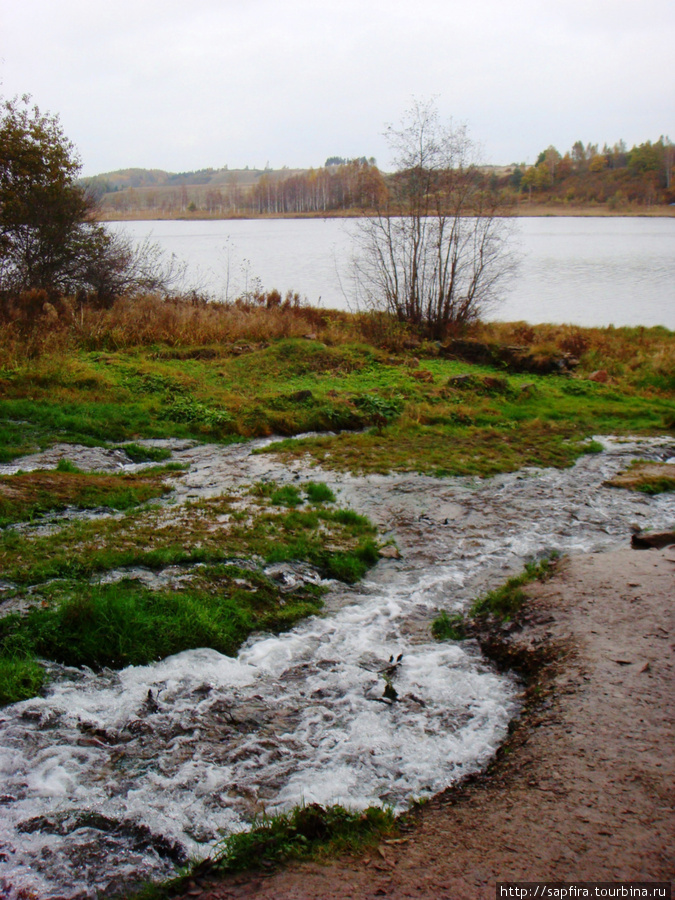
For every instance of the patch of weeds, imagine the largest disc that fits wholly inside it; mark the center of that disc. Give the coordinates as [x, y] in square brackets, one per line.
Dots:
[577, 388]
[351, 566]
[449, 627]
[184, 408]
[167, 467]
[318, 492]
[152, 383]
[304, 832]
[502, 603]
[139, 454]
[379, 410]
[21, 677]
[288, 495]
[66, 465]
[657, 486]
[505, 601]
[593, 447]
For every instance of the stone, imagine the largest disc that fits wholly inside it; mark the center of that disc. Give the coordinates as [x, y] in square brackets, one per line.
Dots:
[646, 540]
[389, 552]
[461, 381]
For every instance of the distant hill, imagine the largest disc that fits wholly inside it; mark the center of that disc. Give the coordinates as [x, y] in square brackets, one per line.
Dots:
[122, 179]
[615, 177]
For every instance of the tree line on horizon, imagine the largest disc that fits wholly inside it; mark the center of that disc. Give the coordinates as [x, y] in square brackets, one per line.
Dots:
[615, 176]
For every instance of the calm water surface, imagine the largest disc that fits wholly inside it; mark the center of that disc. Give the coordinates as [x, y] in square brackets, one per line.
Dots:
[587, 271]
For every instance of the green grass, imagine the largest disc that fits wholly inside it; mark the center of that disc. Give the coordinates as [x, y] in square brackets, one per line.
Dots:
[305, 832]
[28, 494]
[655, 486]
[447, 627]
[141, 454]
[77, 623]
[21, 676]
[318, 492]
[503, 603]
[429, 424]
[125, 623]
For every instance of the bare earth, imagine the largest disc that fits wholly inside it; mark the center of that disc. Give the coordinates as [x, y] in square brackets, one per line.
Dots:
[586, 792]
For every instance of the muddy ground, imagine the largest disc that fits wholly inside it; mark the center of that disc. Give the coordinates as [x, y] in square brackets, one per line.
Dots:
[584, 790]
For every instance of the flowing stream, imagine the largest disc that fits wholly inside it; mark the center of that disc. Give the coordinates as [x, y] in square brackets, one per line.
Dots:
[116, 777]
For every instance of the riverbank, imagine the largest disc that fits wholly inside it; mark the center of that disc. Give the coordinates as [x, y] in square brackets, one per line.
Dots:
[523, 210]
[584, 791]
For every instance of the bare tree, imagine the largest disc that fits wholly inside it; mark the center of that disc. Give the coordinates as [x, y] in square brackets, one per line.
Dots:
[435, 252]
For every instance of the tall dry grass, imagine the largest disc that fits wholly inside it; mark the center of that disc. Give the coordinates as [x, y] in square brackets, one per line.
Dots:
[37, 324]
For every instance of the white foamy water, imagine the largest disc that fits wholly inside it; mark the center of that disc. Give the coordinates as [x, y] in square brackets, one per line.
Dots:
[116, 776]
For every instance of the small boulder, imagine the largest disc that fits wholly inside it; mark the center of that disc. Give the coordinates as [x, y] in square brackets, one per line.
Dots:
[646, 540]
[389, 552]
[461, 381]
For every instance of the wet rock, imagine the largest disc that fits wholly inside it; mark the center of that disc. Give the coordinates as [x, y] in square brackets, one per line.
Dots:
[646, 540]
[290, 576]
[74, 820]
[389, 552]
[89, 459]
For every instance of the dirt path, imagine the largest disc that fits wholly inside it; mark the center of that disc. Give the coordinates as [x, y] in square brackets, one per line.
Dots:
[586, 791]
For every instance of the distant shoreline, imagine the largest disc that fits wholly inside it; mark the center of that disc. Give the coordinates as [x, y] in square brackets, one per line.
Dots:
[525, 210]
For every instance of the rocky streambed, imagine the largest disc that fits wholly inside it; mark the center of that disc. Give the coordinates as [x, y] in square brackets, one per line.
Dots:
[115, 777]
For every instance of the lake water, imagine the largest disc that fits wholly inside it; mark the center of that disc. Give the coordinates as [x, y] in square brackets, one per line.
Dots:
[586, 271]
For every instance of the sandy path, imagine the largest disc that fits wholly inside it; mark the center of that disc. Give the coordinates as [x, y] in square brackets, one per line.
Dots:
[586, 793]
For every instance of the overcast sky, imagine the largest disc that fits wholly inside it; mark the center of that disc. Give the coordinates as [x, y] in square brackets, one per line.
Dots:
[197, 83]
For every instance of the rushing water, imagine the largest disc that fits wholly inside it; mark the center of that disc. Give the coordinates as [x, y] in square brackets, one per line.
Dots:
[586, 271]
[118, 776]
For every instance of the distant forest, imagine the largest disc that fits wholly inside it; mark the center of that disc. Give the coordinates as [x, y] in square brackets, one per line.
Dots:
[614, 178]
